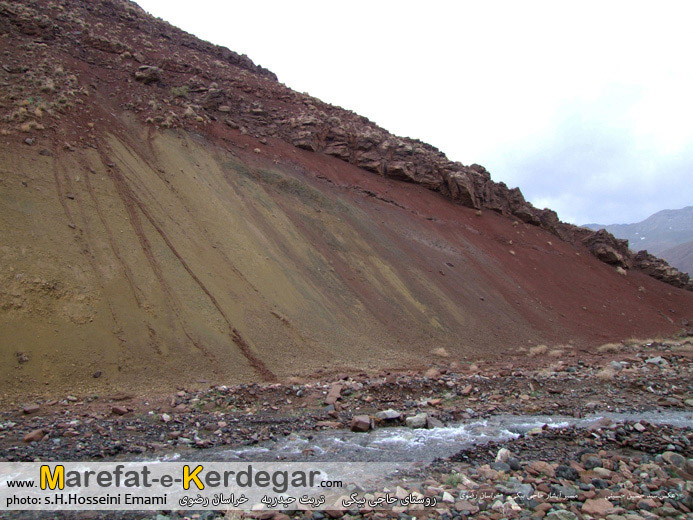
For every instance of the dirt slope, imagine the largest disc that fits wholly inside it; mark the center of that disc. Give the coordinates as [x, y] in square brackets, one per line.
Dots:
[154, 257]
[161, 258]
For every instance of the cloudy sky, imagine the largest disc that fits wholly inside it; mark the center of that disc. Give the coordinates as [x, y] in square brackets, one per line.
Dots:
[586, 106]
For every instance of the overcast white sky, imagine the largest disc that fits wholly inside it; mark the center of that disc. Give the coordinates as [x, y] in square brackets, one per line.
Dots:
[586, 106]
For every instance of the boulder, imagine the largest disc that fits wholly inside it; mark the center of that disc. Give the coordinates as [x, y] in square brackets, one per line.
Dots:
[461, 188]
[31, 408]
[541, 467]
[608, 248]
[592, 461]
[148, 74]
[34, 436]
[213, 99]
[516, 488]
[328, 424]
[661, 270]
[657, 360]
[334, 393]
[674, 458]
[119, 410]
[567, 473]
[561, 514]
[503, 455]
[360, 423]
[432, 422]
[389, 415]
[598, 507]
[417, 421]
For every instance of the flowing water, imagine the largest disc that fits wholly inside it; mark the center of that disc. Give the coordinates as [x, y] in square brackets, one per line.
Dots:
[400, 444]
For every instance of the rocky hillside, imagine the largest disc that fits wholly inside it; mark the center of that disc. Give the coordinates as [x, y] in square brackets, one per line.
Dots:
[664, 234]
[680, 256]
[188, 83]
[170, 211]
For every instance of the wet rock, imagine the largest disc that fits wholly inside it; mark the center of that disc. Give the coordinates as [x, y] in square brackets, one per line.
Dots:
[417, 421]
[328, 424]
[669, 401]
[599, 424]
[389, 415]
[360, 423]
[432, 422]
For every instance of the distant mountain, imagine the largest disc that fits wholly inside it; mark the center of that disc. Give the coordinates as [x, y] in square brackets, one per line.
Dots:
[680, 256]
[667, 233]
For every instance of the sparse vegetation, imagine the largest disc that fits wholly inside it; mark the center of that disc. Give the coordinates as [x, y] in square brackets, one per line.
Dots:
[538, 350]
[606, 374]
[453, 479]
[558, 351]
[609, 347]
[180, 92]
[30, 125]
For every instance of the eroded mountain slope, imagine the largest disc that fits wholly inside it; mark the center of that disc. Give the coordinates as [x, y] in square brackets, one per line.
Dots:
[159, 258]
[170, 213]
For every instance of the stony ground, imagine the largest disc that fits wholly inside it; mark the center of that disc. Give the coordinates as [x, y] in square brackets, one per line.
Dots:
[628, 470]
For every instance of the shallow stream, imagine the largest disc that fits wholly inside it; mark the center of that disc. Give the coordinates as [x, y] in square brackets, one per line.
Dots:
[401, 444]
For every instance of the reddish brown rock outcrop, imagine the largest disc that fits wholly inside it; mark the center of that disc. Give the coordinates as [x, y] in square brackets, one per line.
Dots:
[183, 81]
[661, 270]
